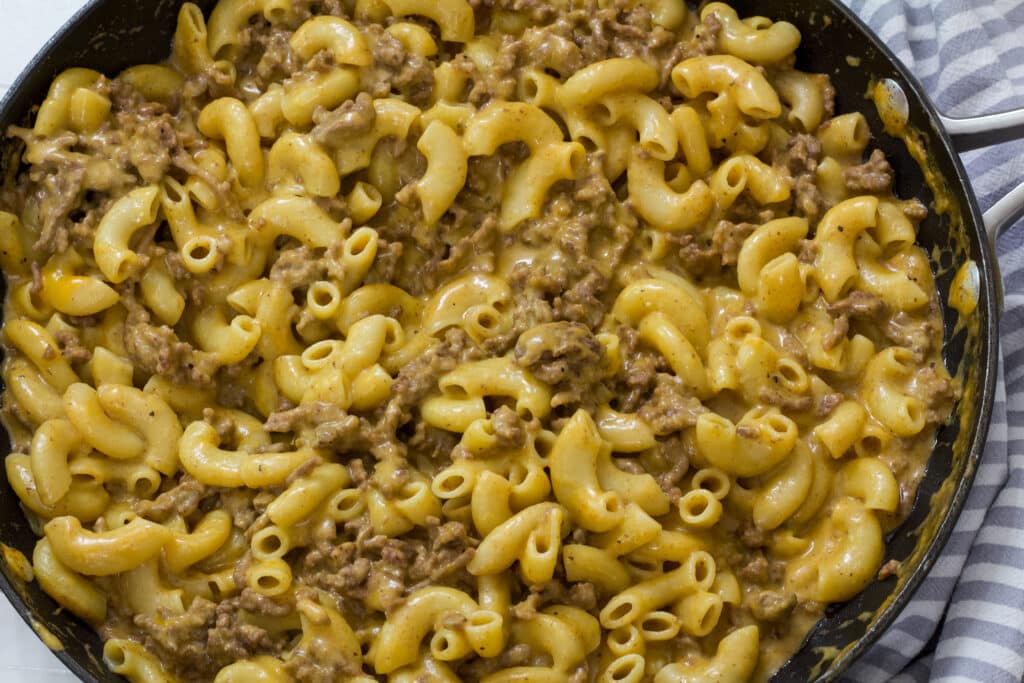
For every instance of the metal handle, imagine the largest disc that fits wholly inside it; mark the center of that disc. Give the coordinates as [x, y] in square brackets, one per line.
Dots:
[985, 131]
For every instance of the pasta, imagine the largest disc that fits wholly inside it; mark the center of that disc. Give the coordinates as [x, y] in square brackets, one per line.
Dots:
[438, 341]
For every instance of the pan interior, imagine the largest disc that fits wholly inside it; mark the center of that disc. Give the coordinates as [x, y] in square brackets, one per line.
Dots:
[110, 35]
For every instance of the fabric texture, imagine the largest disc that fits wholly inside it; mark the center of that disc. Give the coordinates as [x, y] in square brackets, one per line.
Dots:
[966, 622]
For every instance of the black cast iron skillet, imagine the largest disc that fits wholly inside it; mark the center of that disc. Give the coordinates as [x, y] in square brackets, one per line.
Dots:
[109, 35]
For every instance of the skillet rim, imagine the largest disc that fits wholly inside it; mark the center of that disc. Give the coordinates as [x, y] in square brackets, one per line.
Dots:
[988, 329]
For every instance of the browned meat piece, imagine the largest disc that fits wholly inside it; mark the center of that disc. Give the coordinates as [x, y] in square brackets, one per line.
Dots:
[859, 304]
[671, 408]
[889, 569]
[772, 605]
[561, 351]
[874, 175]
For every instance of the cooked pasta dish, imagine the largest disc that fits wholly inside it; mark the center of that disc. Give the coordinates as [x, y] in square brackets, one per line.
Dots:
[490, 340]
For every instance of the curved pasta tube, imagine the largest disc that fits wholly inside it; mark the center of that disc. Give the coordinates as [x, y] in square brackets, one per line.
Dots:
[229, 342]
[566, 634]
[641, 598]
[85, 410]
[533, 537]
[131, 212]
[785, 491]
[414, 38]
[297, 164]
[595, 565]
[339, 37]
[573, 465]
[228, 119]
[723, 74]
[422, 612]
[392, 118]
[600, 79]
[734, 661]
[52, 445]
[152, 416]
[895, 286]
[755, 39]
[885, 379]
[75, 294]
[658, 331]
[660, 205]
[871, 481]
[309, 90]
[746, 172]
[31, 392]
[627, 433]
[446, 170]
[500, 123]
[453, 17]
[684, 308]
[723, 446]
[453, 302]
[55, 112]
[327, 637]
[202, 458]
[498, 377]
[260, 669]
[210, 533]
[637, 528]
[105, 553]
[297, 217]
[527, 186]
[129, 659]
[304, 495]
[70, 590]
[767, 242]
[846, 550]
[834, 264]
[644, 115]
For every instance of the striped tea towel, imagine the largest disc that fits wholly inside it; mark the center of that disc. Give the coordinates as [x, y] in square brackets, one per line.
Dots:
[966, 622]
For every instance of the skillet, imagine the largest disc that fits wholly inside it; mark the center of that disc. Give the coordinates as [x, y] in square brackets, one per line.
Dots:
[109, 35]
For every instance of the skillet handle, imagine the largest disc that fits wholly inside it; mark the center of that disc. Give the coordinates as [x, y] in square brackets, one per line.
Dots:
[985, 131]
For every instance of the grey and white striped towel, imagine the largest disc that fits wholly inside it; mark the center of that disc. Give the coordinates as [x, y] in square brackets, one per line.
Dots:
[966, 622]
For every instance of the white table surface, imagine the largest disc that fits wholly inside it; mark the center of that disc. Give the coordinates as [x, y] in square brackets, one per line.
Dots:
[25, 26]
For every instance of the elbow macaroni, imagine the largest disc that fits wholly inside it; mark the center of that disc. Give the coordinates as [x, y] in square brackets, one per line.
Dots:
[438, 355]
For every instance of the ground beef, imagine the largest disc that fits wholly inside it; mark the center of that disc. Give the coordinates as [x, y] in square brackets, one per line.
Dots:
[914, 210]
[671, 407]
[391, 567]
[158, 350]
[772, 605]
[874, 175]
[353, 118]
[704, 42]
[321, 425]
[182, 501]
[937, 390]
[835, 336]
[206, 638]
[755, 569]
[889, 569]
[561, 351]
[702, 256]
[859, 304]
[299, 267]
[395, 70]
[800, 158]
[910, 332]
[826, 403]
[786, 400]
[509, 428]
[71, 346]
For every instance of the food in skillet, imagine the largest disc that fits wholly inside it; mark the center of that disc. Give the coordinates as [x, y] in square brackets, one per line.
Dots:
[397, 340]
